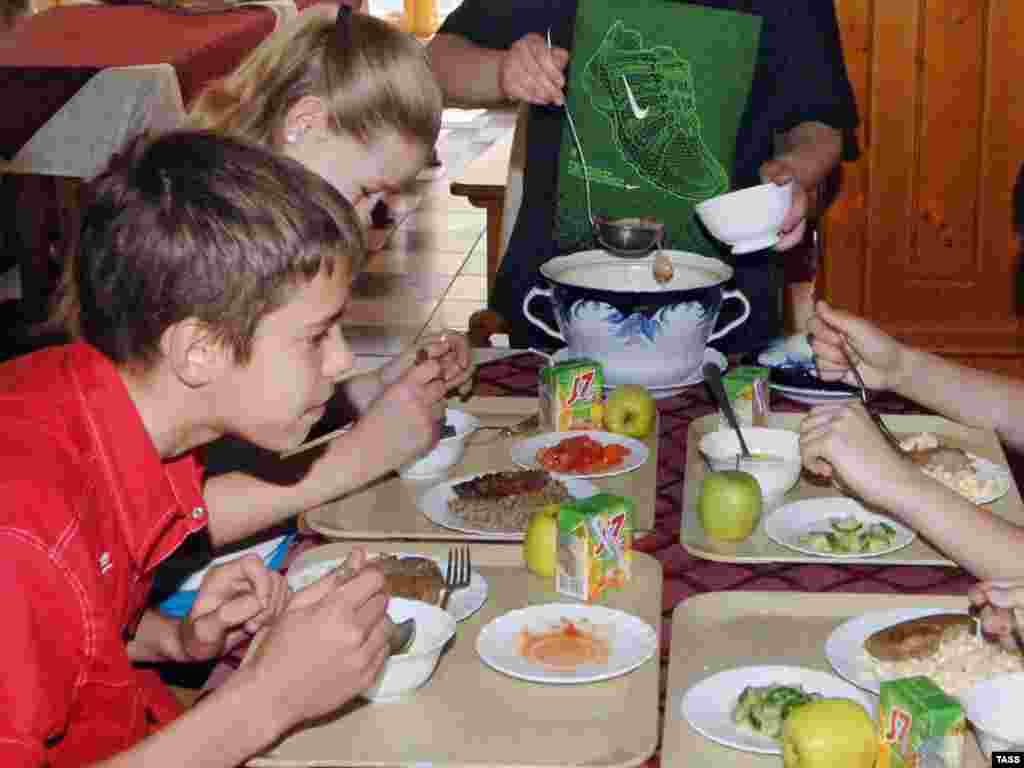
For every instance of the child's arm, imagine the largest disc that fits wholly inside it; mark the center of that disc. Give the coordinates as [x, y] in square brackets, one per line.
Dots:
[841, 438]
[399, 425]
[964, 394]
[314, 659]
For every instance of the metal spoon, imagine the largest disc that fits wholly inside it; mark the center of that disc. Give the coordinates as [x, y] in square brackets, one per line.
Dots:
[713, 381]
[893, 440]
[401, 636]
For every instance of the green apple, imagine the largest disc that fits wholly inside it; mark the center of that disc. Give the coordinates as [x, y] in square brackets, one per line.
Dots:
[541, 543]
[829, 733]
[730, 504]
[630, 410]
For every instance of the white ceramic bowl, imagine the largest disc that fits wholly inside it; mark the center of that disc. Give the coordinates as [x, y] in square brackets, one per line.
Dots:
[747, 219]
[775, 477]
[447, 453]
[404, 673]
[994, 709]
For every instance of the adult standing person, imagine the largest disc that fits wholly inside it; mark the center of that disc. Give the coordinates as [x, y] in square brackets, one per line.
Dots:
[735, 92]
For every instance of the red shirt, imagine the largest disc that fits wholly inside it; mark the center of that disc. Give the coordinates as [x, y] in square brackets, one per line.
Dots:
[88, 510]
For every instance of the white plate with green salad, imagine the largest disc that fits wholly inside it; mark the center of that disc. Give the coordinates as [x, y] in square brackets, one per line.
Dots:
[744, 708]
[836, 527]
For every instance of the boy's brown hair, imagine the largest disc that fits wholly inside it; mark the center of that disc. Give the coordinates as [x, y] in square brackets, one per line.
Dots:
[196, 225]
[371, 76]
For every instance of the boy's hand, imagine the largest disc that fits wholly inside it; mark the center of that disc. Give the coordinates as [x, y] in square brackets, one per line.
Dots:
[842, 438]
[329, 645]
[997, 602]
[878, 356]
[235, 600]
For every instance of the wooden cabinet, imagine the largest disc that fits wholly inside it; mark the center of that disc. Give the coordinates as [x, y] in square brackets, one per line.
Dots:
[921, 238]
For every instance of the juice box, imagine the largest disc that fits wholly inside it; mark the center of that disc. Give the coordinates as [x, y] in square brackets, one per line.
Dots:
[572, 395]
[595, 545]
[747, 389]
[919, 725]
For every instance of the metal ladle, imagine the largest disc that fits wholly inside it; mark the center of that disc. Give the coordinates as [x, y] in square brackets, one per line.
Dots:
[629, 238]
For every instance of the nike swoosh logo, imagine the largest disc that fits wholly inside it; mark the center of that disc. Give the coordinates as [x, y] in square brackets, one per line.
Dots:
[638, 113]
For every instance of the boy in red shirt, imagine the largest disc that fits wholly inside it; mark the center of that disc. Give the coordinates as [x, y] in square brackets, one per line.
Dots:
[211, 276]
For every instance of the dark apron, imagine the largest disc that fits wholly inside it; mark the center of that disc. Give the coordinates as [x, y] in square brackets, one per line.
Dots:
[657, 90]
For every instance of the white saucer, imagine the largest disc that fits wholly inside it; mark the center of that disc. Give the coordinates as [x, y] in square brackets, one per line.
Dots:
[661, 391]
[811, 396]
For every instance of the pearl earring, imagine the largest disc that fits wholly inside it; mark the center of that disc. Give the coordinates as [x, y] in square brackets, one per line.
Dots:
[291, 137]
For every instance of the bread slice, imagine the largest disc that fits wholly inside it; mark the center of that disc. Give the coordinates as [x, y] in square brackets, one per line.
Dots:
[915, 638]
[414, 578]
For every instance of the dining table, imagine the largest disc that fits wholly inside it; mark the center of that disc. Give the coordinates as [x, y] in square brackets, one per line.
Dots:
[81, 80]
[714, 611]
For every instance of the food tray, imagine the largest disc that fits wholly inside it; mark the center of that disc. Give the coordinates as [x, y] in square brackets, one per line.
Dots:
[468, 714]
[758, 548]
[724, 630]
[387, 508]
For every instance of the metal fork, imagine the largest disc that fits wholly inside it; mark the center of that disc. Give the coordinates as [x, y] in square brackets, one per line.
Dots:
[458, 574]
[893, 440]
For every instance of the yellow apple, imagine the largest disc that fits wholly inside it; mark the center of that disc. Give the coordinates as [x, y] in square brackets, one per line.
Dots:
[730, 504]
[630, 410]
[540, 547]
[829, 732]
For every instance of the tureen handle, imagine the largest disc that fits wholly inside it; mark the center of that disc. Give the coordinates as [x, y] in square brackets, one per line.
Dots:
[535, 291]
[726, 295]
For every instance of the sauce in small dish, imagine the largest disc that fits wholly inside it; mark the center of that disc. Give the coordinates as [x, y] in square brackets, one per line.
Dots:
[565, 647]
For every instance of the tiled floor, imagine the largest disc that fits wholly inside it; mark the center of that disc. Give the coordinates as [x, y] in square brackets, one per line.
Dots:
[428, 272]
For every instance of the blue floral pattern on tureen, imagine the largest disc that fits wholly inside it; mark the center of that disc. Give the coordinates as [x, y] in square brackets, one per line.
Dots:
[639, 327]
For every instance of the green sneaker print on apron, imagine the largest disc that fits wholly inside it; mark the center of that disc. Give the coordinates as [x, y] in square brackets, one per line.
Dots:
[657, 89]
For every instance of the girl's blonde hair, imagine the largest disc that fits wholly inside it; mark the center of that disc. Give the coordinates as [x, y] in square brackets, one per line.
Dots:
[370, 75]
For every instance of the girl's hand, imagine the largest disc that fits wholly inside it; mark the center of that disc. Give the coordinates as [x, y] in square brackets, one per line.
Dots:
[842, 438]
[450, 350]
[235, 600]
[834, 334]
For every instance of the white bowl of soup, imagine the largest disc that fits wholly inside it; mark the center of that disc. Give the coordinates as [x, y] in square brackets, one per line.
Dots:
[775, 457]
[403, 673]
[447, 452]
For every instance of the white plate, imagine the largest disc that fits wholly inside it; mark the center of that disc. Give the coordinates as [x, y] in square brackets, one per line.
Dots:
[988, 471]
[524, 452]
[790, 521]
[708, 705]
[845, 646]
[463, 603]
[661, 391]
[434, 504]
[811, 396]
[632, 642]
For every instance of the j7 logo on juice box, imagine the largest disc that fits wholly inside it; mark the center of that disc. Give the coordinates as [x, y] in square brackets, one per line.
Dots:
[611, 530]
[899, 726]
[582, 388]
